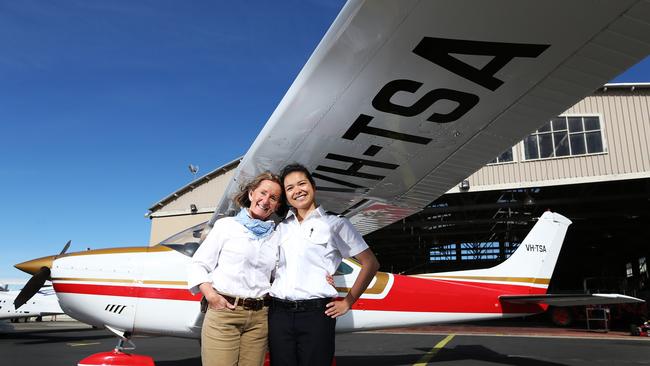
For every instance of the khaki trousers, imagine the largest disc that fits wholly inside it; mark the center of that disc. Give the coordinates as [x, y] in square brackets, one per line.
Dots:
[234, 337]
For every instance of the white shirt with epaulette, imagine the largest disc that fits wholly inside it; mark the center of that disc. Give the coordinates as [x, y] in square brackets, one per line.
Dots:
[309, 251]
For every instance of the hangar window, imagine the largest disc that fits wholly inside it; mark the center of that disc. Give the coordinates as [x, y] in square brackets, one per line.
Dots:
[505, 157]
[565, 136]
[443, 253]
[475, 251]
[479, 251]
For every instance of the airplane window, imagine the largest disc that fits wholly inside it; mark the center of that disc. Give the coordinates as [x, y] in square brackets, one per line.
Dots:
[187, 235]
[343, 269]
[186, 241]
[187, 249]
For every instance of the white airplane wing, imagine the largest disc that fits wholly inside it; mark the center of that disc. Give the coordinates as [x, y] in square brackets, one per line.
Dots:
[402, 100]
[570, 300]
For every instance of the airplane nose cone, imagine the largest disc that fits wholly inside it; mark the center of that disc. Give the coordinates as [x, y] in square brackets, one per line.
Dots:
[35, 265]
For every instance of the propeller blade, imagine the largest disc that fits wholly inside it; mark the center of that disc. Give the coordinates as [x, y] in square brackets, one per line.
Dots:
[38, 279]
[31, 288]
[65, 248]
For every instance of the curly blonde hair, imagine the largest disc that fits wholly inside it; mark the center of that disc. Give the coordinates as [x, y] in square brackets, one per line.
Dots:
[242, 199]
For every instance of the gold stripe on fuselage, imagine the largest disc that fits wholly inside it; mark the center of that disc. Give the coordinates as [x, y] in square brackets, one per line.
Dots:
[532, 280]
[156, 248]
[377, 288]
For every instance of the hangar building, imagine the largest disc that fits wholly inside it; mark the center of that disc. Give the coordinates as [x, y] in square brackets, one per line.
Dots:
[591, 163]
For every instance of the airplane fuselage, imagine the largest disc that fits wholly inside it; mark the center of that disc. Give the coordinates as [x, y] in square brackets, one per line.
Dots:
[144, 291]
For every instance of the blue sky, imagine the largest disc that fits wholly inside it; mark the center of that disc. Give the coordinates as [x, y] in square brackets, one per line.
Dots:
[103, 105]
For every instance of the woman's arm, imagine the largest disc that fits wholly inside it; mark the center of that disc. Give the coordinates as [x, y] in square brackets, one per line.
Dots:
[369, 267]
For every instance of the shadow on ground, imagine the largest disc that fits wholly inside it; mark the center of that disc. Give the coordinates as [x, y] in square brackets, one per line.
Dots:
[463, 354]
[194, 361]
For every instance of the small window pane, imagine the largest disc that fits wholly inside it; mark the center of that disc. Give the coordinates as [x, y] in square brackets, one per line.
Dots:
[506, 156]
[561, 143]
[545, 145]
[558, 123]
[545, 128]
[575, 124]
[578, 144]
[594, 142]
[530, 147]
[592, 123]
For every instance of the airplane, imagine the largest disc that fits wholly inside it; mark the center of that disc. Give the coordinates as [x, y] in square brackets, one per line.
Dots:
[44, 302]
[400, 101]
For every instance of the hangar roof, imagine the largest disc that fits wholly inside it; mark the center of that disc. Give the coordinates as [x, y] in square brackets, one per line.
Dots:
[194, 184]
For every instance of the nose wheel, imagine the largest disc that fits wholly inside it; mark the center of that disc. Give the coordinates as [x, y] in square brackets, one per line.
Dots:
[118, 357]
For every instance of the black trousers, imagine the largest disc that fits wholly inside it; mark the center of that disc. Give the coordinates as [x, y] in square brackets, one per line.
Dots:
[300, 337]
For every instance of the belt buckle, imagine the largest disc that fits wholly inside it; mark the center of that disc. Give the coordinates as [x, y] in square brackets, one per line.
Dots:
[246, 303]
[251, 304]
[295, 305]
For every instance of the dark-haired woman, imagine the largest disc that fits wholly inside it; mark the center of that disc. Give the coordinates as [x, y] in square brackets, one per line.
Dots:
[232, 269]
[303, 311]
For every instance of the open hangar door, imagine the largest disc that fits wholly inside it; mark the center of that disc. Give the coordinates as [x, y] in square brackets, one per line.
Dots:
[605, 250]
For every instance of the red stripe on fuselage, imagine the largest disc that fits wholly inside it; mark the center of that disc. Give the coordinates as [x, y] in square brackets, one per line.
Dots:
[406, 294]
[127, 291]
[447, 296]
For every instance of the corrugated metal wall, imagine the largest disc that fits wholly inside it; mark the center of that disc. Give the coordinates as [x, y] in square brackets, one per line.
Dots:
[164, 227]
[204, 196]
[175, 216]
[625, 123]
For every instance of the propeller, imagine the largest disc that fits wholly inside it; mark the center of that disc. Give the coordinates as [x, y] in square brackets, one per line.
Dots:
[39, 277]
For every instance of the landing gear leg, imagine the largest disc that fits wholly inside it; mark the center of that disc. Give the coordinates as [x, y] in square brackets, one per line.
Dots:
[117, 357]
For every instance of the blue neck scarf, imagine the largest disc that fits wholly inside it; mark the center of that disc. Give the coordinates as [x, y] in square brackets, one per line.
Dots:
[259, 228]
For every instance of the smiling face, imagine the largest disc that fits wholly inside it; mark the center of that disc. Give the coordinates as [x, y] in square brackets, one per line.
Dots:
[300, 192]
[264, 199]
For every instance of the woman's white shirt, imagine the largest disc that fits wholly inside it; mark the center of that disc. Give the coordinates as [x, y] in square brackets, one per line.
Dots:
[234, 260]
[311, 250]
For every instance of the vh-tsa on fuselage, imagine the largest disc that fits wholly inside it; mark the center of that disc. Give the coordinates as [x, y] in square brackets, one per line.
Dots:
[400, 101]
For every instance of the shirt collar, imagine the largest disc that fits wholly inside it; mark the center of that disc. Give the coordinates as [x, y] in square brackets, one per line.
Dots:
[320, 211]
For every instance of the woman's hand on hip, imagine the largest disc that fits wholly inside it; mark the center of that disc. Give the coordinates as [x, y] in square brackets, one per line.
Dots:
[337, 308]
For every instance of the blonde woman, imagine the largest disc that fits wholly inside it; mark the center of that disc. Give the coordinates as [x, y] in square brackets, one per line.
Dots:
[232, 269]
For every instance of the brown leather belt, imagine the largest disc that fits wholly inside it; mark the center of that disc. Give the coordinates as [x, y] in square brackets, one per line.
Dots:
[248, 303]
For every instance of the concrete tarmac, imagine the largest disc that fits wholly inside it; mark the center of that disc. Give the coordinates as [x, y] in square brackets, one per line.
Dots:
[66, 343]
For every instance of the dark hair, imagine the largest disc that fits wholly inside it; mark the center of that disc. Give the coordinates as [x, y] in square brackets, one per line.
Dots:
[295, 167]
[242, 197]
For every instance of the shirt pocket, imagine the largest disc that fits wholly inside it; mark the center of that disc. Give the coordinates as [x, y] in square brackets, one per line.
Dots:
[316, 232]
